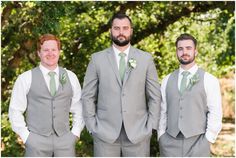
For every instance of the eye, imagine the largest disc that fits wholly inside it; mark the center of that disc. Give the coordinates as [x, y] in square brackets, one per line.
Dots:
[180, 49]
[116, 28]
[46, 50]
[126, 28]
[189, 48]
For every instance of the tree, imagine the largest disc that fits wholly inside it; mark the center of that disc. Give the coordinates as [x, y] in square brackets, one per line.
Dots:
[83, 28]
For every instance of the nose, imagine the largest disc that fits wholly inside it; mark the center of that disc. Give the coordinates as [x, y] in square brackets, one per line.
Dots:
[50, 52]
[185, 51]
[121, 31]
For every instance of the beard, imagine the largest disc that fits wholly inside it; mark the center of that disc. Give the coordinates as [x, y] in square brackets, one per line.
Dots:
[186, 62]
[121, 42]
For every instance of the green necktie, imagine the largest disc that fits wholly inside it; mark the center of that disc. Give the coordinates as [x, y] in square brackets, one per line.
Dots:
[183, 83]
[122, 66]
[52, 83]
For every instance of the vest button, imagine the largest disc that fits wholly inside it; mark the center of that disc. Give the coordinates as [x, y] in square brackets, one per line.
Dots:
[180, 116]
[181, 108]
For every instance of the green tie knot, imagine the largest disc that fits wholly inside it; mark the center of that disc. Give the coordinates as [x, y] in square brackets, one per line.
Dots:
[185, 73]
[52, 82]
[52, 73]
[122, 55]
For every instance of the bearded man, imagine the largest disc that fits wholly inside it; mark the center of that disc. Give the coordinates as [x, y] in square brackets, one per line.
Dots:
[191, 110]
[121, 96]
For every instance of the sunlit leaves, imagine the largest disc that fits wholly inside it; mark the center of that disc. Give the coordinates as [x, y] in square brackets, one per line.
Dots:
[83, 29]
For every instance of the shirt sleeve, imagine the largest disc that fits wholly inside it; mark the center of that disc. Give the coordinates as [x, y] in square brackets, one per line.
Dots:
[214, 116]
[76, 105]
[18, 105]
[163, 114]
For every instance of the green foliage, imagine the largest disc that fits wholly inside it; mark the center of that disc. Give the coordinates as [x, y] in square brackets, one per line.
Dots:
[83, 28]
[84, 147]
[11, 146]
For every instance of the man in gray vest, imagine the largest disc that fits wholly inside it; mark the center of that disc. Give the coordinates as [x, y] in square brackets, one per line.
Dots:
[191, 110]
[48, 93]
[121, 96]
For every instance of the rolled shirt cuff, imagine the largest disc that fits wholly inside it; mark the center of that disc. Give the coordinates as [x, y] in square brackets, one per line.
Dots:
[24, 134]
[76, 130]
[160, 133]
[211, 137]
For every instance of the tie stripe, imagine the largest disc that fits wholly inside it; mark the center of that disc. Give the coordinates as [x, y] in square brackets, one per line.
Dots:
[52, 83]
[122, 65]
[183, 83]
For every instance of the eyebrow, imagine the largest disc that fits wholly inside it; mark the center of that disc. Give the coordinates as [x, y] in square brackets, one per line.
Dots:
[185, 47]
[120, 26]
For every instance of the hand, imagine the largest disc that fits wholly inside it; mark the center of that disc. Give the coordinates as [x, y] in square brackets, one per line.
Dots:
[19, 140]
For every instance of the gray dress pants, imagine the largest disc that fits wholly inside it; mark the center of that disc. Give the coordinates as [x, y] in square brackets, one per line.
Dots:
[196, 146]
[121, 147]
[49, 146]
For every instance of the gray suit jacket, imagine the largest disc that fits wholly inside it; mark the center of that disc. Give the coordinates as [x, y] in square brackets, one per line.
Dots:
[107, 102]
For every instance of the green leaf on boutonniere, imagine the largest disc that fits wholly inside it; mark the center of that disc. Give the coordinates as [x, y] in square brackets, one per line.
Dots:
[132, 63]
[193, 80]
[63, 79]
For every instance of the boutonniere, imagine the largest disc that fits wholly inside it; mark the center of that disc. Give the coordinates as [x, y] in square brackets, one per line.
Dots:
[193, 80]
[63, 79]
[132, 63]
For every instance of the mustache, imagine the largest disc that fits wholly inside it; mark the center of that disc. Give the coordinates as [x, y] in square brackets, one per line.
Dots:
[185, 55]
[121, 36]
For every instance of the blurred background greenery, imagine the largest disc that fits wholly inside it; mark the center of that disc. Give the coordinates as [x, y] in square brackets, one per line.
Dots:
[83, 29]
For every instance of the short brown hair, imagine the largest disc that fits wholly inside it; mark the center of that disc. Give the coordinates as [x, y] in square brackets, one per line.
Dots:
[186, 36]
[47, 37]
[120, 16]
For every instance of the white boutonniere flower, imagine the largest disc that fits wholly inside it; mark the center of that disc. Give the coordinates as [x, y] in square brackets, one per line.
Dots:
[63, 79]
[193, 80]
[132, 63]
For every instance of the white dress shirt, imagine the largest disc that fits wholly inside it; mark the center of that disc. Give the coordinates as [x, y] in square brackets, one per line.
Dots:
[212, 89]
[117, 51]
[18, 103]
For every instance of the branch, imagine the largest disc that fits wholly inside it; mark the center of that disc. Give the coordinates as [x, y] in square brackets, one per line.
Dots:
[186, 12]
[123, 8]
[7, 11]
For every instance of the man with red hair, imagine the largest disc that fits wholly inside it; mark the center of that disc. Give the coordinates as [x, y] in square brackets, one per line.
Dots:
[47, 93]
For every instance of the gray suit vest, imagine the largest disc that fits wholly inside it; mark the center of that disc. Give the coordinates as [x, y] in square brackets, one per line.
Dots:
[186, 113]
[46, 114]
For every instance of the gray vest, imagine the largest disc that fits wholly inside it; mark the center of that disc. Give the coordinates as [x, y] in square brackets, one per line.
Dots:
[46, 114]
[186, 113]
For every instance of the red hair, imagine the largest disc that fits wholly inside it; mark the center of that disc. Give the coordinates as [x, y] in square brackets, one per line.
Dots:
[47, 37]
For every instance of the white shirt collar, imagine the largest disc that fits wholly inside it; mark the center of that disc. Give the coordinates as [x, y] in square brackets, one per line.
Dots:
[117, 51]
[192, 70]
[45, 71]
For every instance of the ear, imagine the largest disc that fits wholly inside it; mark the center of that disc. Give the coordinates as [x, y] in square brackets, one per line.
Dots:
[196, 52]
[176, 54]
[38, 53]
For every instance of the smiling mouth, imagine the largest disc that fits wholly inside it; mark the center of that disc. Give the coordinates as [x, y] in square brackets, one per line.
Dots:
[184, 56]
[49, 58]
